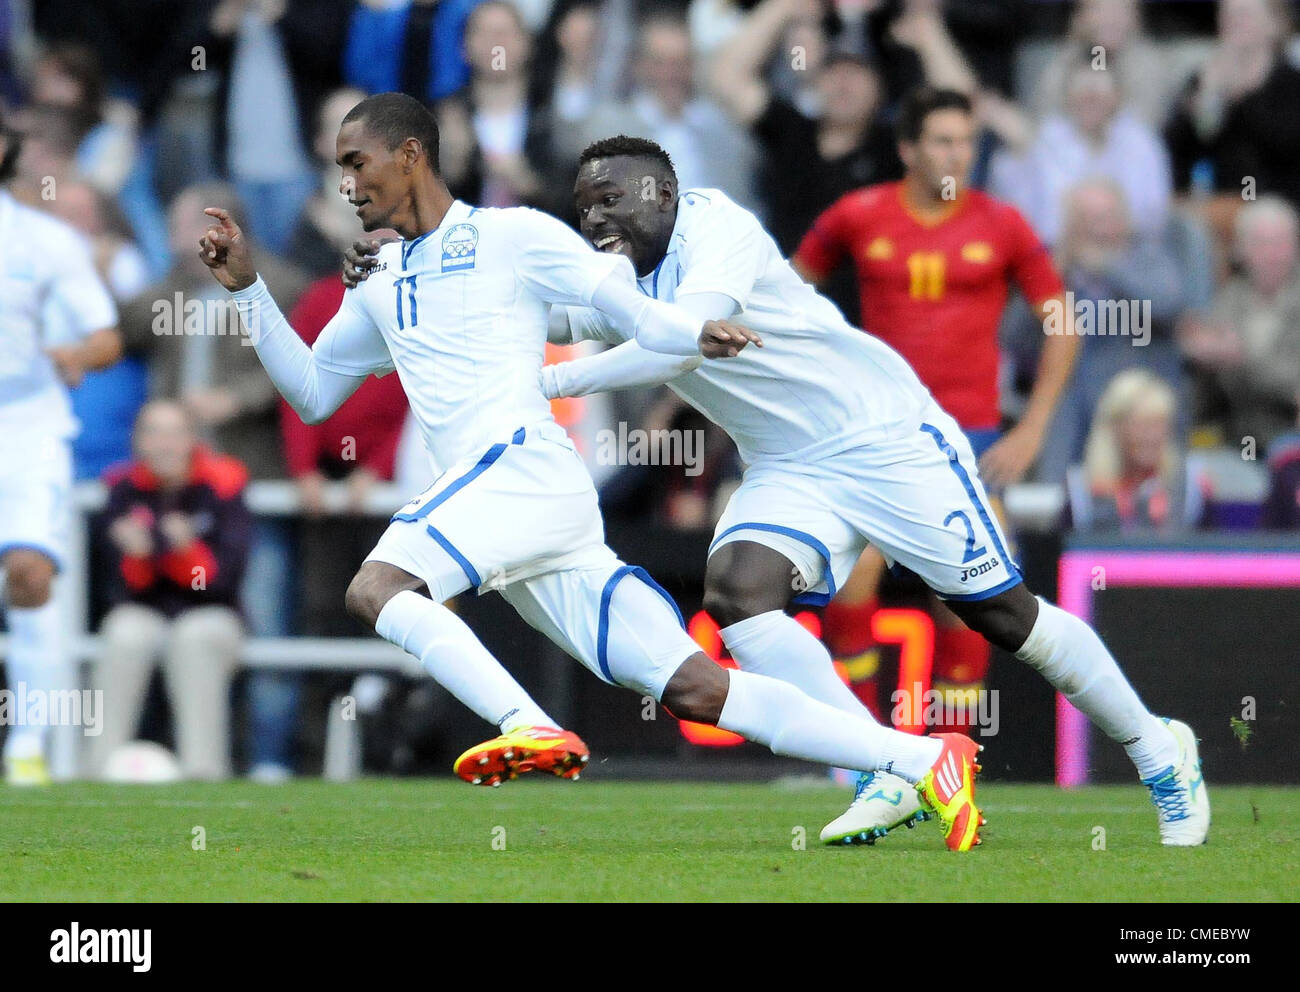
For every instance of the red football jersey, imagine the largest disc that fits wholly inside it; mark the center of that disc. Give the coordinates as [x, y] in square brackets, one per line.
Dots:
[934, 289]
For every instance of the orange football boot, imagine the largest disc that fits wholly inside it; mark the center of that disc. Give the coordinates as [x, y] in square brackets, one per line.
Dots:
[527, 749]
[948, 788]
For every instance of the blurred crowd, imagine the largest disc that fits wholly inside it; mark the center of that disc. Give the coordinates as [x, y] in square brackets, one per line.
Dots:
[1155, 166]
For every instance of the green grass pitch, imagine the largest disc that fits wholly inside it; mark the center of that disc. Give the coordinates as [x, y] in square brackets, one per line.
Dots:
[385, 840]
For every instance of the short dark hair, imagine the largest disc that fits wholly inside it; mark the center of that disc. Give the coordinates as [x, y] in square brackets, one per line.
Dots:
[624, 145]
[394, 117]
[921, 103]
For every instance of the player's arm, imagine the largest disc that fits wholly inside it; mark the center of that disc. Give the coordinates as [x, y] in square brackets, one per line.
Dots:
[315, 381]
[557, 265]
[1055, 366]
[1031, 266]
[736, 78]
[824, 246]
[629, 365]
[98, 350]
[667, 328]
[84, 297]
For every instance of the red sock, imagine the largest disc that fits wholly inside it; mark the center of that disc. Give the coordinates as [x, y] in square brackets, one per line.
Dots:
[846, 632]
[961, 661]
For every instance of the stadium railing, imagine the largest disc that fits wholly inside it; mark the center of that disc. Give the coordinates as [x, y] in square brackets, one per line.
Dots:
[267, 499]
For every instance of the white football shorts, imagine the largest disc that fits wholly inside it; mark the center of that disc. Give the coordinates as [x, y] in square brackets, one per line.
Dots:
[35, 492]
[522, 518]
[917, 497]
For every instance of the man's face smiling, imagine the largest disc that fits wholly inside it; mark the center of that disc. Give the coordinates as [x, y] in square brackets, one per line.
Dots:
[625, 208]
[373, 177]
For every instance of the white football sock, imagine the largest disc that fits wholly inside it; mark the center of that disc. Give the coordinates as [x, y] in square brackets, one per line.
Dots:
[777, 645]
[1073, 659]
[38, 661]
[791, 722]
[450, 652]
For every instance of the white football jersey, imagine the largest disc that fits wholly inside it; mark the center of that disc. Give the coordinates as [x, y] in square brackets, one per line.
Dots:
[461, 314]
[818, 384]
[50, 295]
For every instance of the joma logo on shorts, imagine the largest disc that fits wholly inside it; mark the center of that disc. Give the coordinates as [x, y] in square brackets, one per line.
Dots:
[980, 569]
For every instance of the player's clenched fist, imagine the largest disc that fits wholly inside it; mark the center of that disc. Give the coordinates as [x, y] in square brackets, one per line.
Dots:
[723, 339]
[224, 250]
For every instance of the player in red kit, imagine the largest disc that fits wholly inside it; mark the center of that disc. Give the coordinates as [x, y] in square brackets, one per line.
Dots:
[935, 263]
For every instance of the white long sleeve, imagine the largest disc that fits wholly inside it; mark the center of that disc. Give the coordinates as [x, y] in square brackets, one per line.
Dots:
[629, 364]
[314, 390]
[622, 367]
[657, 326]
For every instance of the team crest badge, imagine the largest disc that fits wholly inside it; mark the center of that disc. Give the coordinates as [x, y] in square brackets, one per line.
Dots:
[880, 250]
[458, 247]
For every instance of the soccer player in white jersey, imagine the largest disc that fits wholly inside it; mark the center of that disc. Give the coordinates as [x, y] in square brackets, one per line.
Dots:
[843, 446]
[459, 308]
[57, 321]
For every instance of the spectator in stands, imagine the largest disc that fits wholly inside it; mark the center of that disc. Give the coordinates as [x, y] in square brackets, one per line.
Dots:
[1126, 293]
[913, 42]
[327, 224]
[199, 355]
[1249, 344]
[175, 536]
[1108, 36]
[409, 45]
[49, 154]
[494, 148]
[119, 260]
[279, 60]
[69, 77]
[1133, 476]
[107, 401]
[706, 148]
[1096, 137]
[566, 70]
[1234, 120]
[812, 157]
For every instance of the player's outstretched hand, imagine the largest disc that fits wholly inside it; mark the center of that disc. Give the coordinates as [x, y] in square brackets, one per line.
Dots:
[359, 261]
[224, 250]
[723, 339]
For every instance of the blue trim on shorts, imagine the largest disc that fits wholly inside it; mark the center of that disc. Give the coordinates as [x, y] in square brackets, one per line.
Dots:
[805, 598]
[56, 559]
[955, 464]
[971, 597]
[471, 573]
[481, 466]
[606, 594]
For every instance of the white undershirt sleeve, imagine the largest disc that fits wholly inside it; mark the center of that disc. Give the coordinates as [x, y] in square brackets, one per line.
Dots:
[630, 365]
[301, 374]
[658, 326]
